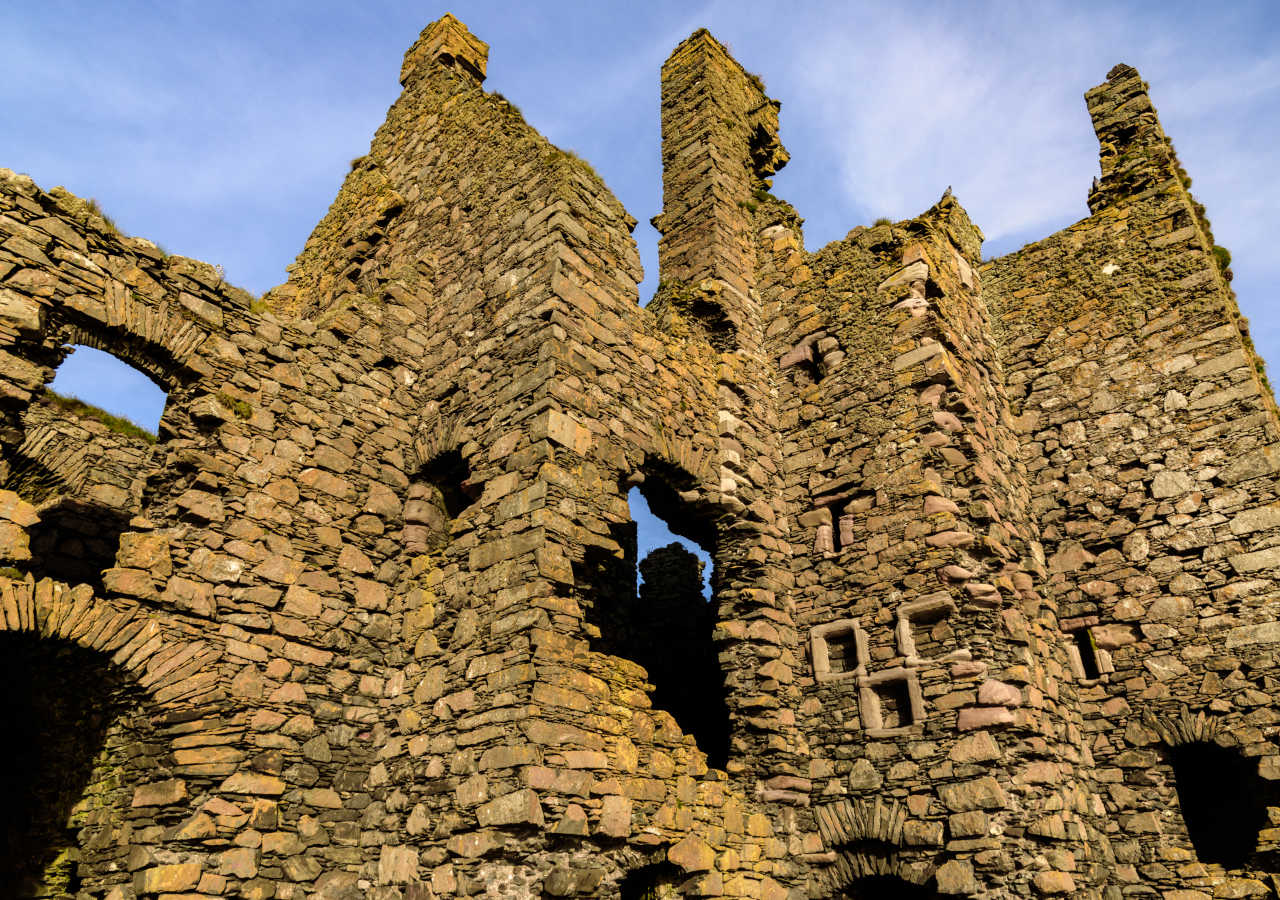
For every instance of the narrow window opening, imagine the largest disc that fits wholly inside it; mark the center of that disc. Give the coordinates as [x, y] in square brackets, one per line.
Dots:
[652, 604]
[111, 391]
[1083, 639]
[437, 495]
[1223, 800]
[842, 525]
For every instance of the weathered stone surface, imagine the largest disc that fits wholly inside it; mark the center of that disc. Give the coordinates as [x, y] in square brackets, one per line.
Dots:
[993, 541]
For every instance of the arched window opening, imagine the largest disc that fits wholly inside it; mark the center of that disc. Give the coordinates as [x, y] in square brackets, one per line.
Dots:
[1223, 800]
[68, 711]
[82, 463]
[439, 493]
[93, 384]
[657, 610]
[888, 887]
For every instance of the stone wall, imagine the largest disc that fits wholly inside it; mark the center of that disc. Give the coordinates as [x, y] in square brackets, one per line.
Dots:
[991, 542]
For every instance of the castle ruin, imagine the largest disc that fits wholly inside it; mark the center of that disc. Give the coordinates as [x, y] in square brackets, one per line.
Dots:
[993, 604]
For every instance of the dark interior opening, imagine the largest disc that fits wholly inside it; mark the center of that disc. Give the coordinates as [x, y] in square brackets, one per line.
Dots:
[1223, 800]
[663, 621]
[61, 704]
[894, 698]
[75, 541]
[720, 331]
[451, 475]
[437, 495]
[931, 631]
[809, 371]
[654, 882]
[887, 887]
[1088, 652]
[650, 882]
[841, 531]
[842, 652]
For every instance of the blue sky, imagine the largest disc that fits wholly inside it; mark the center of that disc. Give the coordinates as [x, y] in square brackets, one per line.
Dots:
[222, 130]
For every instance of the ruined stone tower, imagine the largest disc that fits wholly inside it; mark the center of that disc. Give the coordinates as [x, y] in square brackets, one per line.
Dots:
[993, 612]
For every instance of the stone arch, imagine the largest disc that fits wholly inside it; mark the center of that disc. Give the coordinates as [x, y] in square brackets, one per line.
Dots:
[1222, 797]
[440, 484]
[435, 436]
[161, 346]
[877, 872]
[105, 675]
[866, 836]
[117, 294]
[633, 873]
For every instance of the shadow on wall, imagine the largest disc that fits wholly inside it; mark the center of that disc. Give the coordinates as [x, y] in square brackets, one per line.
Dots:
[1224, 803]
[887, 887]
[75, 541]
[62, 703]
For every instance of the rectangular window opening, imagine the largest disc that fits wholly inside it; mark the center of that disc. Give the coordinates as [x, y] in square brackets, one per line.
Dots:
[842, 652]
[931, 632]
[1088, 650]
[894, 699]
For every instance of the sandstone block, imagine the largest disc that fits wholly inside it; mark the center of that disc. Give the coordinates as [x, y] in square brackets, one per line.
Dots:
[980, 793]
[167, 879]
[955, 876]
[518, 807]
[692, 854]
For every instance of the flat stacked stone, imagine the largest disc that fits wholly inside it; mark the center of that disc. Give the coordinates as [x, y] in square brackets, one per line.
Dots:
[993, 543]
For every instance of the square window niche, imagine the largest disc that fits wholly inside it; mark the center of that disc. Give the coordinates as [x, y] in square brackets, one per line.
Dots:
[839, 650]
[923, 632]
[891, 703]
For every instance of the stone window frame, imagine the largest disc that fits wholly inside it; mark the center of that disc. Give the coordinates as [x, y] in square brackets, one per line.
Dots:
[818, 637]
[1071, 627]
[908, 613]
[869, 702]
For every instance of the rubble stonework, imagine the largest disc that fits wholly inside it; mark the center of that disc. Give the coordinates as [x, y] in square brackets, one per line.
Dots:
[994, 543]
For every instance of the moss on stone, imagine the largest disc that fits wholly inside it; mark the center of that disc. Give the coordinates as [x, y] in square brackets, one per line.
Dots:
[77, 407]
[242, 408]
[87, 212]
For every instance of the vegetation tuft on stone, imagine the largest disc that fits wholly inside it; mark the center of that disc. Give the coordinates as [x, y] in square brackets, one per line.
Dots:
[77, 407]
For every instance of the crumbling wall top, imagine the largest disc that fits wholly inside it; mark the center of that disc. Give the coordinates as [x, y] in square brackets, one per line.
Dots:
[448, 42]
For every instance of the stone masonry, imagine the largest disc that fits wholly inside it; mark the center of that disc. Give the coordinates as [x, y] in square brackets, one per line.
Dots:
[993, 606]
